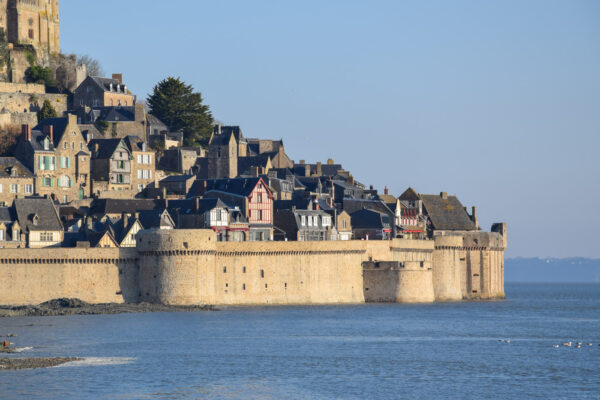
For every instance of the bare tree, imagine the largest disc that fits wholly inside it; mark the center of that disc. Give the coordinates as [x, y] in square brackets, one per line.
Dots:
[93, 66]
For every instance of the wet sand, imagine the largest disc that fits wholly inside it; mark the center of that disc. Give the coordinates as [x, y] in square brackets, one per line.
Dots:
[79, 307]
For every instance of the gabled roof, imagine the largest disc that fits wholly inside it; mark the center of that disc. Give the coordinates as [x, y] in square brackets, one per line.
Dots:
[118, 206]
[245, 163]
[37, 139]
[370, 219]
[7, 214]
[409, 194]
[178, 178]
[353, 205]
[115, 114]
[8, 163]
[238, 186]
[47, 217]
[106, 147]
[134, 143]
[120, 230]
[446, 213]
[156, 219]
[104, 84]
[196, 205]
[59, 126]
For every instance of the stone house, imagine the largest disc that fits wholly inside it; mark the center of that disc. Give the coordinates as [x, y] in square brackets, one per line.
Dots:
[118, 122]
[446, 213]
[180, 159]
[371, 225]
[143, 160]
[302, 225]
[39, 222]
[111, 164]
[15, 180]
[56, 153]
[96, 92]
[343, 225]
[177, 184]
[10, 230]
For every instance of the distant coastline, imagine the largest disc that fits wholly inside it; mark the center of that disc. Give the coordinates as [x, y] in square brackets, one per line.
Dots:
[552, 270]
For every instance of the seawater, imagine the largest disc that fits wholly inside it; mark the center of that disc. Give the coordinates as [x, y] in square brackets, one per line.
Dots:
[373, 351]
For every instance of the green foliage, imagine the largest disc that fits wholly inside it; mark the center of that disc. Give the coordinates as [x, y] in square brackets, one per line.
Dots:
[38, 74]
[102, 125]
[30, 57]
[4, 51]
[47, 111]
[177, 105]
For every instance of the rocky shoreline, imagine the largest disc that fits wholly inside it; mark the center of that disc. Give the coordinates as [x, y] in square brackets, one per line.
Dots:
[39, 362]
[67, 306]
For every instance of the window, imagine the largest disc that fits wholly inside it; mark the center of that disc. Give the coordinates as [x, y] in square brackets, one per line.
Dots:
[139, 173]
[303, 220]
[146, 159]
[15, 235]
[47, 182]
[31, 35]
[224, 270]
[46, 144]
[244, 270]
[344, 224]
[80, 146]
[262, 273]
[14, 188]
[65, 199]
[310, 220]
[243, 286]
[120, 164]
[259, 216]
[326, 221]
[0, 188]
[46, 237]
[259, 198]
[120, 178]
[73, 145]
[1, 234]
[139, 158]
[140, 187]
[65, 144]
[64, 181]
[28, 188]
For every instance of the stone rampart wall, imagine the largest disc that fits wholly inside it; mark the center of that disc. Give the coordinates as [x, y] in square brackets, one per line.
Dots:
[32, 88]
[26, 102]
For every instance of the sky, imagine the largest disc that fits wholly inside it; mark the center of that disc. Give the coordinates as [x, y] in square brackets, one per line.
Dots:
[495, 102]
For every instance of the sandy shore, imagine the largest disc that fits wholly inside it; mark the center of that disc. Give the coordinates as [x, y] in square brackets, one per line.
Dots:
[42, 362]
[79, 307]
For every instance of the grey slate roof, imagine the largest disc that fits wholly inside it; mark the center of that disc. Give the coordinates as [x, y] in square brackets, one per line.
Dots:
[353, 205]
[116, 114]
[104, 83]
[370, 219]
[59, 125]
[156, 219]
[43, 208]
[7, 214]
[239, 186]
[177, 178]
[106, 147]
[118, 206]
[244, 163]
[446, 214]
[8, 163]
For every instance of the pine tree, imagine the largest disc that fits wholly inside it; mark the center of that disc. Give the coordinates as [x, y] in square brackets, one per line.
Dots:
[47, 111]
[177, 105]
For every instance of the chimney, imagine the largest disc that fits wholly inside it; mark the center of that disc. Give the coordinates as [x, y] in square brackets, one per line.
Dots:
[350, 180]
[51, 133]
[96, 148]
[370, 187]
[118, 77]
[319, 169]
[330, 161]
[302, 162]
[386, 191]
[26, 131]
[474, 217]
[444, 195]
[317, 207]
[125, 218]
[306, 170]
[197, 204]
[89, 223]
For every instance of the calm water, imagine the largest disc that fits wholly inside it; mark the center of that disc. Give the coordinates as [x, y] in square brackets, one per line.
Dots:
[345, 352]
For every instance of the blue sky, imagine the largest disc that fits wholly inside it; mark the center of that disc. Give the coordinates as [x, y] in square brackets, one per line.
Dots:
[496, 102]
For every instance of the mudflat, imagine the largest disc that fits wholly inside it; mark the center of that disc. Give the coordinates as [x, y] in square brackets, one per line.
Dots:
[66, 306]
[41, 362]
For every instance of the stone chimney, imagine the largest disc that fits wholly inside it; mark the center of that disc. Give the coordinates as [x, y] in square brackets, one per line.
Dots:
[386, 191]
[302, 162]
[330, 161]
[26, 131]
[319, 169]
[306, 170]
[370, 187]
[197, 204]
[96, 148]
[474, 217]
[125, 218]
[444, 195]
[51, 133]
[317, 207]
[118, 77]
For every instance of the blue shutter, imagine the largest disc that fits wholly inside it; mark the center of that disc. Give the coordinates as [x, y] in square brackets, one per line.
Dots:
[68, 162]
[41, 162]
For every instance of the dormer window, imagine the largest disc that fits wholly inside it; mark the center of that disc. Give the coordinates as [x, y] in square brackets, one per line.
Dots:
[14, 171]
[110, 87]
[36, 220]
[46, 144]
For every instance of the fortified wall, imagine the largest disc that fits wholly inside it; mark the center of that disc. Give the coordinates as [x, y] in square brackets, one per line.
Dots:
[191, 267]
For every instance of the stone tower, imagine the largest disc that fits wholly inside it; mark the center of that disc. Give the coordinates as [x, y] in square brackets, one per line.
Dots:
[32, 22]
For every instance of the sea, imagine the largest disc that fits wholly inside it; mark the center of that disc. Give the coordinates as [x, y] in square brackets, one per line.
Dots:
[467, 350]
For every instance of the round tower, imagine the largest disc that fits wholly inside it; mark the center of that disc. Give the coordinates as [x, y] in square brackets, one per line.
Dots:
[170, 263]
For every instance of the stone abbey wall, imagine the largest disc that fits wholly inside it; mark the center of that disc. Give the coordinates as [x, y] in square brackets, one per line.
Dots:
[191, 267]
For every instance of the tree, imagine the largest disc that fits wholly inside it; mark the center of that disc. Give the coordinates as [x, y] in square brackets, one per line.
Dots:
[177, 105]
[47, 111]
[92, 65]
[38, 74]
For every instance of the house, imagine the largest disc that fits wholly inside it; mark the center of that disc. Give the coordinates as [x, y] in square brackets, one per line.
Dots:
[156, 219]
[114, 208]
[412, 220]
[343, 225]
[114, 122]
[177, 184]
[302, 225]
[57, 155]
[370, 224]
[228, 222]
[180, 159]
[39, 222]
[10, 230]
[126, 228]
[97, 92]
[251, 195]
[143, 163]
[111, 164]
[446, 213]
[15, 180]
